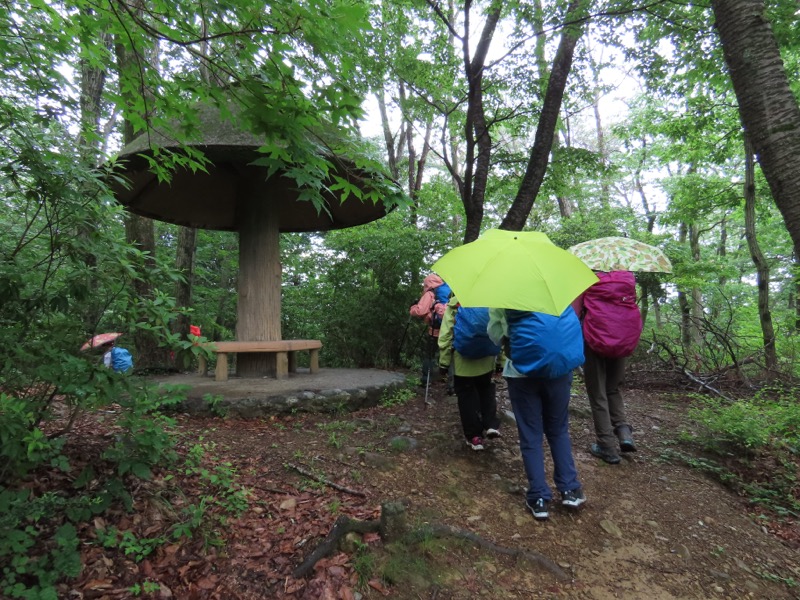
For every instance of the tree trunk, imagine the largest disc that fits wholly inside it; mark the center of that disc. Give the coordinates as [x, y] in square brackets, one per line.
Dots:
[90, 140]
[762, 268]
[767, 107]
[683, 303]
[184, 264]
[139, 231]
[479, 142]
[722, 252]
[697, 297]
[540, 153]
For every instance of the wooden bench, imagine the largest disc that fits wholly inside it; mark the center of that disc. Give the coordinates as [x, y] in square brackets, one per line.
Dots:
[285, 349]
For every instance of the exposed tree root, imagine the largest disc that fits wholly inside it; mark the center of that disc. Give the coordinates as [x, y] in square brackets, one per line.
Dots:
[341, 528]
[392, 525]
[335, 486]
[535, 557]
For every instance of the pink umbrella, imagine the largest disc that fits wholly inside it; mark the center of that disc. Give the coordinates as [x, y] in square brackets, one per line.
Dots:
[100, 339]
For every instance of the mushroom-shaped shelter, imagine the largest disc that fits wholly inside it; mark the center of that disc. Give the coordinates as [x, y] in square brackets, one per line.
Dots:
[233, 194]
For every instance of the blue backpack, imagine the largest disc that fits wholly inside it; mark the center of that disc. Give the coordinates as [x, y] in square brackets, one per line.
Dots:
[121, 360]
[469, 333]
[441, 296]
[543, 345]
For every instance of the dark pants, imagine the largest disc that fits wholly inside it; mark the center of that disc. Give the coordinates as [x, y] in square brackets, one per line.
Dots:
[541, 408]
[603, 376]
[476, 404]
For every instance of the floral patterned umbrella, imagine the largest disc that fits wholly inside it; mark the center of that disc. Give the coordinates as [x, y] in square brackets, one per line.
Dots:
[621, 254]
[100, 340]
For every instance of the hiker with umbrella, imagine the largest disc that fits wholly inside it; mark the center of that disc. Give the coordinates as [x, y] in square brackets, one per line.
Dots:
[612, 326]
[529, 283]
[114, 357]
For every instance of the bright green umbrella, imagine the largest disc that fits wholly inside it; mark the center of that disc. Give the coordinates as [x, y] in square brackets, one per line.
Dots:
[514, 269]
[621, 254]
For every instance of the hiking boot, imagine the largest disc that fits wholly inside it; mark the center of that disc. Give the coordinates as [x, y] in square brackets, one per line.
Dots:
[625, 437]
[539, 509]
[573, 498]
[475, 443]
[492, 433]
[607, 454]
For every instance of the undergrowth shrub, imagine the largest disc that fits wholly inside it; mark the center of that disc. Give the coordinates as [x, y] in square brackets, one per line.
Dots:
[756, 442]
[768, 420]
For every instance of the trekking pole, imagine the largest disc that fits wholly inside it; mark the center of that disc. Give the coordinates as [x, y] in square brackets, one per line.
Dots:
[431, 353]
[427, 385]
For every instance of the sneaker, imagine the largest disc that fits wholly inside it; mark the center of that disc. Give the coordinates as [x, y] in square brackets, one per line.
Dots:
[573, 498]
[475, 443]
[627, 445]
[539, 509]
[492, 433]
[606, 454]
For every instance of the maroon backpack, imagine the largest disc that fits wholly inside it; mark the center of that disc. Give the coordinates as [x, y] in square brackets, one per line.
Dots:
[612, 323]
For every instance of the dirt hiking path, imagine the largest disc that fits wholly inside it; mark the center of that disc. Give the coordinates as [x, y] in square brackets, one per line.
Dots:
[651, 528]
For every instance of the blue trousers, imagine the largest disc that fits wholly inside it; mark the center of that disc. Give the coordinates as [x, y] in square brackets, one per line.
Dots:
[541, 410]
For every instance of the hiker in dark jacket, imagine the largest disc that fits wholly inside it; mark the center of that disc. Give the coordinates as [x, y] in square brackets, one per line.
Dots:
[612, 325]
[472, 380]
[542, 350]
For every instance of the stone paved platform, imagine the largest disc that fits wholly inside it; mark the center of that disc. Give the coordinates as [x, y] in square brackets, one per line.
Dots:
[328, 390]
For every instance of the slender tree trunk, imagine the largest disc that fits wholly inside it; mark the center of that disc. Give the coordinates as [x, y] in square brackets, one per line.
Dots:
[722, 252]
[90, 142]
[479, 142]
[565, 206]
[644, 305]
[388, 137]
[223, 312]
[605, 188]
[184, 264]
[637, 182]
[187, 236]
[697, 297]
[762, 267]
[543, 141]
[140, 231]
[768, 109]
[657, 310]
[683, 302]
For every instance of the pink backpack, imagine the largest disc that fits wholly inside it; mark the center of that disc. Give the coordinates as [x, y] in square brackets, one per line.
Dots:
[612, 323]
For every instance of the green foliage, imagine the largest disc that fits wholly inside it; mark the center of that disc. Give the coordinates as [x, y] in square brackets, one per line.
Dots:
[399, 444]
[146, 440]
[214, 403]
[147, 587]
[22, 444]
[354, 292]
[364, 564]
[765, 421]
[397, 397]
[39, 545]
[221, 497]
[744, 436]
[134, 547]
